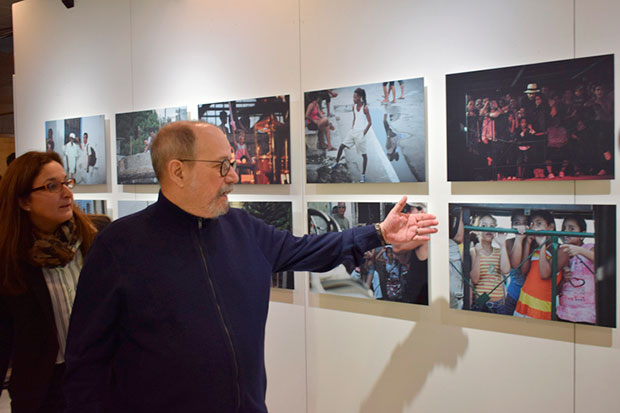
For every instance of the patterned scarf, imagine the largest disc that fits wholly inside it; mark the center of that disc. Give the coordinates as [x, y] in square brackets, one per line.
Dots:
[56, 249]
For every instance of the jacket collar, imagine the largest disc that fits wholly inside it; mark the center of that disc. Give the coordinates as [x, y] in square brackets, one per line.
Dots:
[166, 211]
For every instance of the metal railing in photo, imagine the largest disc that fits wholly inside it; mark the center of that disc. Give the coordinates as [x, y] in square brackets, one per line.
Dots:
[483, 298]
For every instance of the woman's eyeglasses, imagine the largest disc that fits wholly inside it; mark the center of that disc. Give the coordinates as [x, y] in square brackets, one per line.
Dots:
[55, 186]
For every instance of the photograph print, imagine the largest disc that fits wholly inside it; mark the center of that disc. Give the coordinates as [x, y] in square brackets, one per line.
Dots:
[387, 273]
[545, 121]
[7, 152]
[135, 132]
[92, 206]
[542, 261]
[280, 215]
[129, 207]
[367, 133]
[259, 131]
[81, 144]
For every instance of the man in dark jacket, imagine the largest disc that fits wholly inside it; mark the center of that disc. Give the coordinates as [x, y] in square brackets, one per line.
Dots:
[167, 318]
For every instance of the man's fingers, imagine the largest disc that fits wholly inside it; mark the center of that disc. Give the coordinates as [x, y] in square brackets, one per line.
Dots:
[399, 205]
[422, 216]
[428, 222]
[422, 231]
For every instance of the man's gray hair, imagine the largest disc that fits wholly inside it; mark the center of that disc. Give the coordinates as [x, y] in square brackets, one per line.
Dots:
[174, 140]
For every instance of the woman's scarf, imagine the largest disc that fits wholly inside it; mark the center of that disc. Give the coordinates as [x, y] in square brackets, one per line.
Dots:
[56, 249]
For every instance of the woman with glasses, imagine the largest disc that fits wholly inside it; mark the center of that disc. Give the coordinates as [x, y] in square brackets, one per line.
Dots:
[44, 237]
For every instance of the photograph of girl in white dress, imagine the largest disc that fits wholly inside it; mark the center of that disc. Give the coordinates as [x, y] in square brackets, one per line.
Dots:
[369, 133]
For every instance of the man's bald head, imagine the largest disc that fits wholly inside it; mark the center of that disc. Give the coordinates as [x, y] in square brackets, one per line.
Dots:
[176, 140]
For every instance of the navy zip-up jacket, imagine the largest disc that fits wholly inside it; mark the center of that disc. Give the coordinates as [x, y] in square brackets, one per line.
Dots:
[170, 309]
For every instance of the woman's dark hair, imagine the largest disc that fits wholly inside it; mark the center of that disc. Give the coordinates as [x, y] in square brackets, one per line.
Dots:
[16, 229]
[362, 94]
[544, 214]
[455, 219]
[581, 223]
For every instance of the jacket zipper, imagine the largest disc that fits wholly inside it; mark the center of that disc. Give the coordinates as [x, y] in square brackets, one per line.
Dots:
[221, 316]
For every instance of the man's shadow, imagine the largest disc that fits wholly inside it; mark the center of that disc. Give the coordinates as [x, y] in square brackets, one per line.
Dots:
[429, 345]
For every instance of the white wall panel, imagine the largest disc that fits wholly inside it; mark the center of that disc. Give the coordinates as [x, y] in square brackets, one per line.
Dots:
[68, 63]
[597, 354]
[122, 55]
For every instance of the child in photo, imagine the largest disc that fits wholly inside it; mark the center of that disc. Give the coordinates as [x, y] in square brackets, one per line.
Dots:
[516, 247]
[357, 134]
[578, 287]
[487, 268]
[535, 298]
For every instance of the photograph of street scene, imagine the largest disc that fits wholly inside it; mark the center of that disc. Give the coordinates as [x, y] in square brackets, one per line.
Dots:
[546, 121]
[259, 132]
[135, 132]
[280, 215]
[368, 133]
[549, 262]
[387, 273]
[81, 144]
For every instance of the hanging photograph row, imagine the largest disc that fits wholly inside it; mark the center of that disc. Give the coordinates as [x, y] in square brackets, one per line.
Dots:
[542, 261]
[545, 121]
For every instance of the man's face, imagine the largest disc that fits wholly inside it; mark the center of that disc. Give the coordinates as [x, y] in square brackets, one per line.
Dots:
[85, 138]
[208, 190]
[538, 100]
[341, 209]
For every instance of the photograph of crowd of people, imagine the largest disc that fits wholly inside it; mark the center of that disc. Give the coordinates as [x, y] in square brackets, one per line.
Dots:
[546, 121]
[134, 135]
[549, 262]
[368, 133]
[80, 142]
[280, 215]
[387, 273]
[259, 131]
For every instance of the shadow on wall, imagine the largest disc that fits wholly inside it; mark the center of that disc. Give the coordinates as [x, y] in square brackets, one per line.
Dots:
[412, 362]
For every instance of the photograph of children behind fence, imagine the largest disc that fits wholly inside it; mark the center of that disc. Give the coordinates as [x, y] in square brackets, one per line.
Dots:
[549, 262]
[546, 121]
[280, 215]
[135, 132]
[387, 273]
[259, 132]
[92, 206]
[80, 142]
[367, 133]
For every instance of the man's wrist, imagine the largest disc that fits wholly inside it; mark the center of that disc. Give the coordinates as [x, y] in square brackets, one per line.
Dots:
[380, 233]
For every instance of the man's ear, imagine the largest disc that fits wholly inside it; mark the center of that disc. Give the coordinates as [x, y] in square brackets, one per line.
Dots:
[24, 203]
[176, 172]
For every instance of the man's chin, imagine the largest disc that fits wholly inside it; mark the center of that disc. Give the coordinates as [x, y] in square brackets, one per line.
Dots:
[220, 210]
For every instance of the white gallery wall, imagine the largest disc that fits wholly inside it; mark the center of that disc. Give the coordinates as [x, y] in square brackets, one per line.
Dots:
[325, 353]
